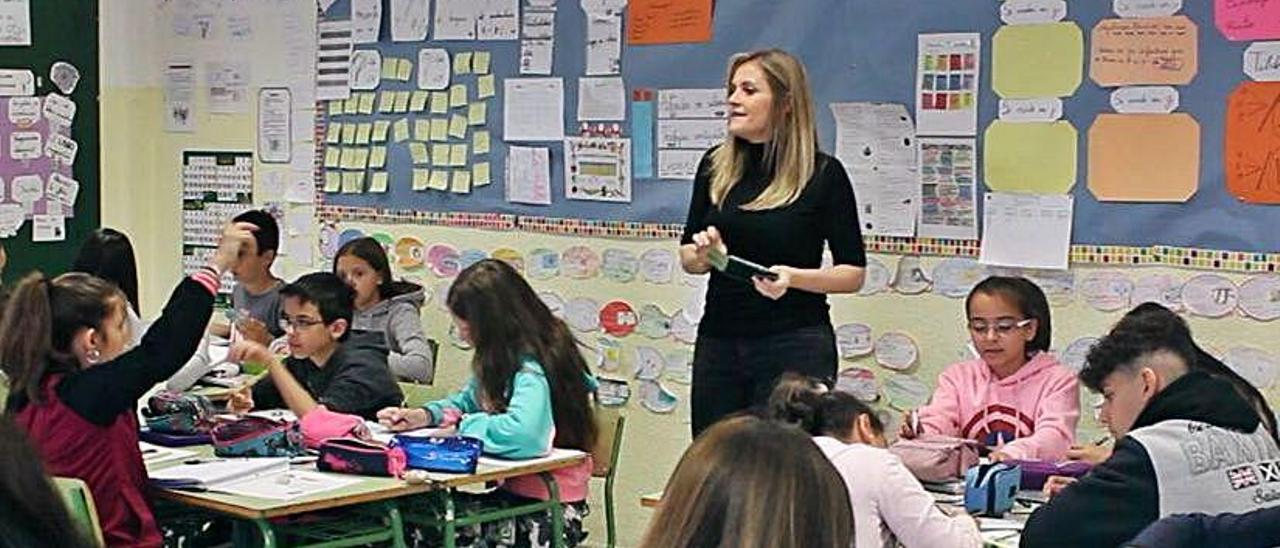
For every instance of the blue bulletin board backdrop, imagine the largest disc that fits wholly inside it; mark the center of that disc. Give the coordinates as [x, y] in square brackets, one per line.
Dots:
[855, 50]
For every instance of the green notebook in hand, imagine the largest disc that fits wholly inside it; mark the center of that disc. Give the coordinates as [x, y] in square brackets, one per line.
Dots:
[737, 267]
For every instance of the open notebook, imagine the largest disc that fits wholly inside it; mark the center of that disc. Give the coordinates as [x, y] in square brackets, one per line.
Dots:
[211, 474]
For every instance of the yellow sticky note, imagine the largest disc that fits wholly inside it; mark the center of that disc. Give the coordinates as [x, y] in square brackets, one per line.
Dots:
[404, 70]
[440, 154]
[361, 160]
[1037, 60]
[458, 155]
[419, 153]
[480, 62]
[485, 86]
[439, 102]
[480, 142]
[349, 133]
[333, 135]
[418, 102]
[378, 157]
[363, 132]
[351, 106]
[352, 182]
[421, 178]
[457, 95]
[332, 156]
[439, 180]
[461, 182]
[458, 126]
[439, 129]
[348, 160]
[335, 107]
[1033, 157]
[390, 68]
[402, 101]
[378, 182]
[477, 112]
[422, 129]
[332, 181]
[386, 101]
[366, 102]
[401, 130]
[462, 63]
[480, 174]
[380, 129]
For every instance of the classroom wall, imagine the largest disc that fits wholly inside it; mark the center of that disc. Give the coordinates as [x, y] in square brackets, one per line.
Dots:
[141, 195]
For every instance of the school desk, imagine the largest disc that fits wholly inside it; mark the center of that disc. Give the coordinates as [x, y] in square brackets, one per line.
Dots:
[651, 500]
[382, 497]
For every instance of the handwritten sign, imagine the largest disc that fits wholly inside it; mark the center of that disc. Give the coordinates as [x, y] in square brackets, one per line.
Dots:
[1262, 61]
[1241, 20]
[1145, 100]
[1160, 50]
[1046, 109]
[668, 21]
[1030, 12]
[1146, 8]
[1253, 143]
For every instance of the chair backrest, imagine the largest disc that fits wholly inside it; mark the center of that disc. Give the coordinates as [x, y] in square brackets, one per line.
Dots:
[79, 501]
[609, 425]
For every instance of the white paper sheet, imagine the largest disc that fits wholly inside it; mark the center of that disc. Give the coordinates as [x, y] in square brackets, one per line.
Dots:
[876, 144]
[533, 109]
[179, 92]
[434, 68]
[536, 56]
[17, 82]
[597, 169]
[954, 59]
[366, 69]
[228, 85]
[601, 99]
[410, 20]
[694, 134]
[275, 140]
[1031, 231]
[498, 19]
[24, 145]
[333, 60]
[48, 228]
[678, 164]
[538, 24]
[366, 20]
[15, 23]
[11, 218]
[604, 44]
[692, 103]
[948, 170]
[455, 19]
[528, 175]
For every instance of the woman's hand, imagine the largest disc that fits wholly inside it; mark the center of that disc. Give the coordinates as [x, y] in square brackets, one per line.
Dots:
[775, 288]
[403, 418]
[703, 243]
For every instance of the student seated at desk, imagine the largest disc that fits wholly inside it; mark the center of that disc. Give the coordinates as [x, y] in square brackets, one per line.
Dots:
[256, 296]
[1187, 442]
[890, 507]
[752, 483]
[345, 371]
[530, 391]
[387, 306]
[1015, 397]
[73, 387]
[108, 254]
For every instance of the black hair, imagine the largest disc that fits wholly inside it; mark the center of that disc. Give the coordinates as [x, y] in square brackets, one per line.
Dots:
[370, 251]
[268, 234]
[327, 291]
[806, 402]
[1141, 332]
[108, 254]
[1029, 300]
[31, 511]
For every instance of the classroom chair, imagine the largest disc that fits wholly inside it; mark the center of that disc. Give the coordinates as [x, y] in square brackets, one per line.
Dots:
[610, 423]
[79, 501]
[417, 394]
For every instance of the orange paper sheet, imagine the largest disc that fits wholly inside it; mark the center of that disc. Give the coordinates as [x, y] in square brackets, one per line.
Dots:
[1144, 157]
[1156, 50]
[1252, 152]
[668, 21]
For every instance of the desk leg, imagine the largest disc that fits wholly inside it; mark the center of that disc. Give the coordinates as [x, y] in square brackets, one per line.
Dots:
[397, 525]
[557, 510]
[268, 534]
[242, 534]
[450, 530]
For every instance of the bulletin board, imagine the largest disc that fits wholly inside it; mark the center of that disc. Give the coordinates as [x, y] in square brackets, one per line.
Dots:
[67, 31]
[856, 50]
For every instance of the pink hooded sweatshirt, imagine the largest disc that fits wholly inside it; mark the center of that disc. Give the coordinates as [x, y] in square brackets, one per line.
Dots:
[1034, 411]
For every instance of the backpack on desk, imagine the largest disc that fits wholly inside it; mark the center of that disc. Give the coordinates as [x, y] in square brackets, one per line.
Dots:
[931, 457]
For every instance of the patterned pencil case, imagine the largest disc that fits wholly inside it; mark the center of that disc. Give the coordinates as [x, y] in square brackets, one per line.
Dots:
[257, 437]
[452, 455]
[353, 456]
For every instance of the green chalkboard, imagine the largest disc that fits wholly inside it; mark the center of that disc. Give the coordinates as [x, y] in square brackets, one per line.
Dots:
[61, 30]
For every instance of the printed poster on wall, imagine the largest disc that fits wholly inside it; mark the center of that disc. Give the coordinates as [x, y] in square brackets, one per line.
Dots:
[947, 70]
[948, 168]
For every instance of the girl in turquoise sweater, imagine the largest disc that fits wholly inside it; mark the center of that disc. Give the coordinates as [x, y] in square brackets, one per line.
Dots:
[525, 359]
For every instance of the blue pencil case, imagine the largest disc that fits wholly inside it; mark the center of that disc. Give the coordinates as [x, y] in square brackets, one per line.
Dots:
[453, 455]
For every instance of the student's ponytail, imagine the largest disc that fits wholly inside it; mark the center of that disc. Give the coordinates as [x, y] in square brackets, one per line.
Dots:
[795, 401]
[26, 335]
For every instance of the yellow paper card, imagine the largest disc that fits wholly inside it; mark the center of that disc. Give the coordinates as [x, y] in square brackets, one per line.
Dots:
[361, 158]
[422, 129]
[351, 106]
[332, 156]
[480, 62]
[477, 112]
[348, 158]
[480, 142]
[389, 68]
[332, 181]
[1030, 157]
[485, 86]
[457, 95]
[419, 153]
[458, 126]
[439, 180]
[439, 129]
[462, 63]
[363, 132]
[405, 70]
[378, 182]
[1037, 60]
[333, 135]
[353, 182]
[461, 182]
[366, 102]
[335, 107]
[349, 133]
[418, 102]
[480, 174]
[421, 177]
[439, 102]
[380, 129]
[458, 156]
[401, 130]
[378, 157]
[386, 101]
[402, 101]
[440, 154]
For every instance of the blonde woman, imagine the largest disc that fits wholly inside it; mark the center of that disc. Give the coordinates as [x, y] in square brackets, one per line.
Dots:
[752, 483]
[768, 195]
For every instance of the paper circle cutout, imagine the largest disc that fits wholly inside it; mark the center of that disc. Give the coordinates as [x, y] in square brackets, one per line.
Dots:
[617, 318]
[1209, 295]
[905, 392]
[582, 314]
[619, 265]
[554, 303]
[579, 262]
[348, 235]
[543, 264]
[1076, 352]
[1107, 291]
[877, 277]
[657, 265]
[410, 253]
[853, 340]
[896, 350]
[955, 277]
[443, 260]
[511, 257]
[1260, 297]
[859, 382]
[1255, 365]
[1162, 289]
[469, 257]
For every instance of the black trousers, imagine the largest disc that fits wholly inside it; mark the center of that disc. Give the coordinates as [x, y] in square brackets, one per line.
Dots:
[732, 374]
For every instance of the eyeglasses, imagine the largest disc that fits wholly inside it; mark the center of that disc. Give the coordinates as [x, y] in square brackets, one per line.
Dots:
[287, 323]
[1001, 327]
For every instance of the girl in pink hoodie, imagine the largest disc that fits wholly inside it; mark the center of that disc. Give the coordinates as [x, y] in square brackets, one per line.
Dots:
[1015, 398]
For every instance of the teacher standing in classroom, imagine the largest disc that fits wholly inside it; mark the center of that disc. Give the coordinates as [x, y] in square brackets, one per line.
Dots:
[768, 195]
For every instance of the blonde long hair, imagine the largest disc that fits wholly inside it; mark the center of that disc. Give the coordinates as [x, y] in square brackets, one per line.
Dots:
[793, 139]
[750, 483]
